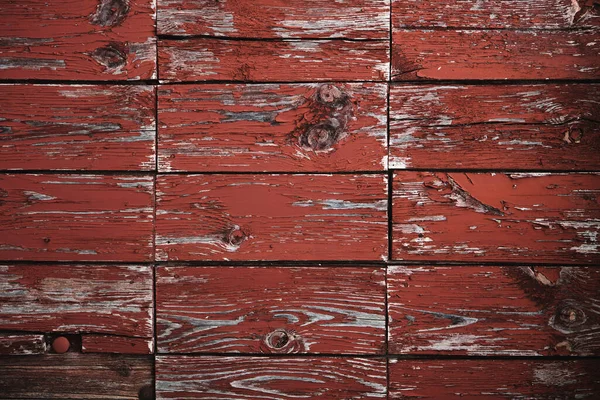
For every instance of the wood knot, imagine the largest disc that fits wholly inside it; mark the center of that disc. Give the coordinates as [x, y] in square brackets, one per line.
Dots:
[110, 12]
[319, 138]
[112, 56]
[574, 134]
[332, 96]
[282, 341]
[235, 236]
[568, 317]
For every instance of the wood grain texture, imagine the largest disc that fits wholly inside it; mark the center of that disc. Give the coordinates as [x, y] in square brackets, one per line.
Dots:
[77, 39]
[273, 61]
[494, 311]
[354, 19]
[494, 379]
[271, 217]
[184, 377]
[292, 128]
[530, 127]
[68, 217]
[533, 217]
[21, 344]
[495, 54]
[77, 127]
[271, 310]
[75, 376]
[93, 343]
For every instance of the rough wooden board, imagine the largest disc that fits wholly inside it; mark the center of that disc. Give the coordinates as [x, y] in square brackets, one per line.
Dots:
[87, 127]
[271, 310]
[495, 54]
[114, 300]
[494, 379]
[77, 39]
[214, 378]
[311, 127]
[75, 376]
[117, 344]
[354, 19]
[271, 217]
[54, 217]
[494, 311]
[518, 217]
[530, 127]
[273, 61]
[21, 344]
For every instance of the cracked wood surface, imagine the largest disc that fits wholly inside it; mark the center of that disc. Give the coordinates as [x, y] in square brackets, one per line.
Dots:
[293, 128]
[77, 127]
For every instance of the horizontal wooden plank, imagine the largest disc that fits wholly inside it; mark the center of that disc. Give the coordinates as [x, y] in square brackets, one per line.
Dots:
[214, 378]
[530, 127]
[354, 19]
[77, 127]
[271, 310]
[495, 54]
[78, 39]
[21, 344]
[328, 127]
[506, 311]
[76, 376]
[535, 217]
[68, 217]
[272, 61]
[92, 343]
[271, 217]
[493, 379]
[114, 300]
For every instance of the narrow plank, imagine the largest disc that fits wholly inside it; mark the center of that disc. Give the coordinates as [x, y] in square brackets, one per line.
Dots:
[21, 344]
[76, 376]
[354, 19]
[78, 39]
[273, 61]
[271, 310]
[502, 311]
[495, 54]
[493, 379]
[214, 378]
[292, 128]
[55, 217]
[534, 217]
[530, 127]
[271, 217]
[77, 127]
[92, 343]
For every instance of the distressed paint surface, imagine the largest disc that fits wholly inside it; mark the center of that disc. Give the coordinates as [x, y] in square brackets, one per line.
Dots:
[531, 127]
[184, 377]
[68, 217]
[328, 127]
[21, 344]
[519, 217]
[77, 127]
[271, 310]
[78, 39]
[93, 343]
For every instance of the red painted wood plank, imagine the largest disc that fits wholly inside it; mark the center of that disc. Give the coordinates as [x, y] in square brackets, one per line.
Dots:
[542, 218]
[21, 344]
[271, 310]
[91, 343]
[494, 379]
[530, 127]
[77, 39]
[273, 61]
[184, 377]
[328, 127]
[483, 311]
[271, 217]
[87, 127]
[355, 19]
[56, 217]
[495, 54]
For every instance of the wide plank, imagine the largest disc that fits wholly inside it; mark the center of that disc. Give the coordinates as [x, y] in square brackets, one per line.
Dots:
[183, 377]
[67, 217]
[271, 310]
[495, 54]
[534, 217]
[17, 344]
[271, 217]
[77, 127]
[205, 59]
[494, 379]
[77, 39]
[519, 127]
[354, 19]
[500, 311]
[277, 128]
